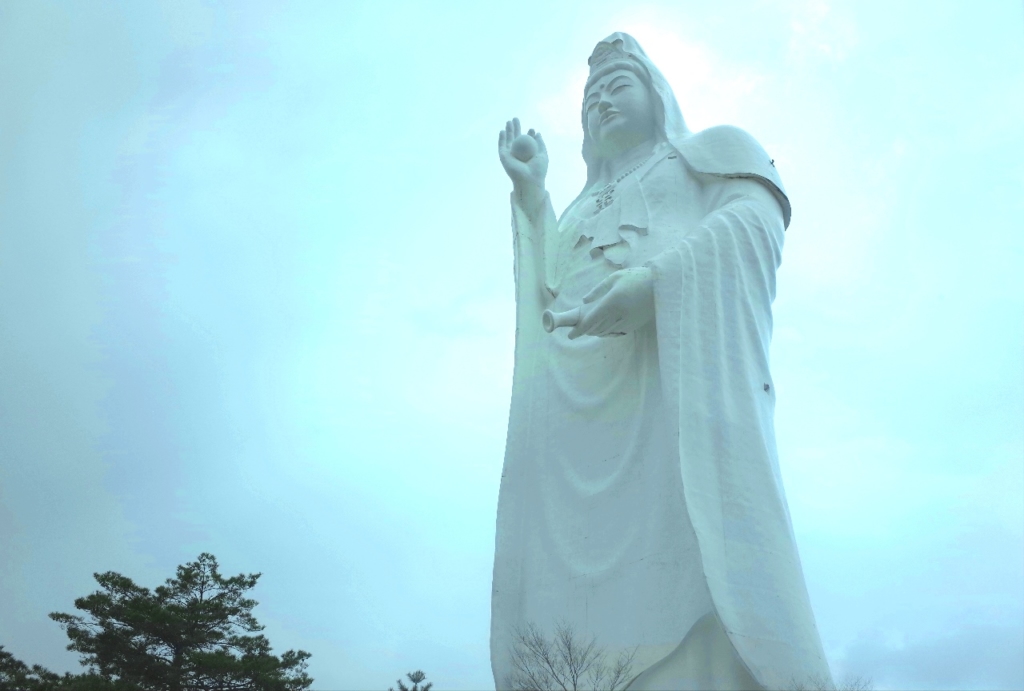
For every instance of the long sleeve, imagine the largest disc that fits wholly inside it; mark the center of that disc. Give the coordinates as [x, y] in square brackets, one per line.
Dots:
[713, 296]
[529, 235]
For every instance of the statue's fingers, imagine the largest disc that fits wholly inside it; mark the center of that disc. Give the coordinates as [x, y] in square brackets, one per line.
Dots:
[614, 327]
[600, 290]
[589, 318]
[540, 143]
[602, 327]
[580, 327]
[515, 127]
[501, 139]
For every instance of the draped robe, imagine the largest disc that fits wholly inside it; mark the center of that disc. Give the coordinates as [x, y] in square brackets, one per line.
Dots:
[641, 501]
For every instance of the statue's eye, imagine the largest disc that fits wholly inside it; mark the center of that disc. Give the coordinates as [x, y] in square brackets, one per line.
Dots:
[619, 88]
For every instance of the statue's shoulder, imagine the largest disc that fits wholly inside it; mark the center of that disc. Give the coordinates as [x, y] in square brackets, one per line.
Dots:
[728, 151]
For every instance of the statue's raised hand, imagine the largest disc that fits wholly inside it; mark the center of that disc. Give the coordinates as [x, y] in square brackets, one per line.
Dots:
[525, 163]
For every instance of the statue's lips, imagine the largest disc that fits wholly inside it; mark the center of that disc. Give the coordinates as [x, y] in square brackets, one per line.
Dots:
[608, 116]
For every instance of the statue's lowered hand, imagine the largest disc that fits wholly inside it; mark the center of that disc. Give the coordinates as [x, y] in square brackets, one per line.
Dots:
[525, 162]
[618, 305]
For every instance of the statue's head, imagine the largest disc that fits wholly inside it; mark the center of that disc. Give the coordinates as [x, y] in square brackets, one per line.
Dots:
[623, 79]
[620, 108]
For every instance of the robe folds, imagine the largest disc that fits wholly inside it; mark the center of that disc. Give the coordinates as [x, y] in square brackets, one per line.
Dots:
[641, 500]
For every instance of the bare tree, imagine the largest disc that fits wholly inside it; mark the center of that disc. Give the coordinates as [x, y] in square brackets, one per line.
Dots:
[564, 663]
[568, 663]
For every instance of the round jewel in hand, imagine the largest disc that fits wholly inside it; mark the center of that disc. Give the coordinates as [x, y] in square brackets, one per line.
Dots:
[524, 147]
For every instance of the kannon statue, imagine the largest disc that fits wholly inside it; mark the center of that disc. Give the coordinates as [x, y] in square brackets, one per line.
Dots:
[641, 501]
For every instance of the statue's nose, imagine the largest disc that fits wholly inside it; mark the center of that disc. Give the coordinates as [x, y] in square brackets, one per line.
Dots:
[603, 106]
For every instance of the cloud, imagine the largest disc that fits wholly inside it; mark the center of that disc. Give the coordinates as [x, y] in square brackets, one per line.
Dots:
[820, 34]
[256, 299]
[710, 89]
[973, 656]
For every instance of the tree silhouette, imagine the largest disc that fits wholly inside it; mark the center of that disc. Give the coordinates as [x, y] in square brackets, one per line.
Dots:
[194, 633]
[416, 678]
[564, 663]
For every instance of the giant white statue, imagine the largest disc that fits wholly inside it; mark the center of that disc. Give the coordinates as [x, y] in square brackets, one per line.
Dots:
[641, 500]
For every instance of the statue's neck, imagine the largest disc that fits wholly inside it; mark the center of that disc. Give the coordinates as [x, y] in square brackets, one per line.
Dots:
[614, 167]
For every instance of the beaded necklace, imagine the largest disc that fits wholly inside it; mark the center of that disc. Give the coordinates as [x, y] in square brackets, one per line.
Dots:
[606, 194]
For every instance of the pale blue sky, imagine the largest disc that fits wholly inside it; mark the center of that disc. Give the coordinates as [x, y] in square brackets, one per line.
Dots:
[256, 299]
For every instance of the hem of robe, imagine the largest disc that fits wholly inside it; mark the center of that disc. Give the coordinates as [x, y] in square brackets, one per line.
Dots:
[705, 660]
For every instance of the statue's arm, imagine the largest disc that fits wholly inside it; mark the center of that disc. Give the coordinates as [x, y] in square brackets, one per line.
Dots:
[725, 193]
[525, 159]
[726, 153]
[742, 209]
[532, 220]
[736, 249]
[749, 211]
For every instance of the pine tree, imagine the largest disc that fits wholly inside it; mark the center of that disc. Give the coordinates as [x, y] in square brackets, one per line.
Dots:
[194, 633]
[416, 678]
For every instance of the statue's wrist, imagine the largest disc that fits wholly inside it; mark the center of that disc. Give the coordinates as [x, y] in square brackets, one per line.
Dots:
[529, 187]
[529, 196]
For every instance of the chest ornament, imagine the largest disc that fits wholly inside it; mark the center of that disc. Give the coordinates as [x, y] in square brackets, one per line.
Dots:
[611, 229]
[606, 195]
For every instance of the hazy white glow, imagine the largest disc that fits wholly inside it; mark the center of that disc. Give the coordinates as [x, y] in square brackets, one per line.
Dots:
[234, 315]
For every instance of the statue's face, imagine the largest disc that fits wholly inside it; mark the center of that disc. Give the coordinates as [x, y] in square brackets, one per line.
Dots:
[620, 112]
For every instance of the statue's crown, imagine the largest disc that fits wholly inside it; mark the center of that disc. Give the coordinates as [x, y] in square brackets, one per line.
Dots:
[607, 52]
